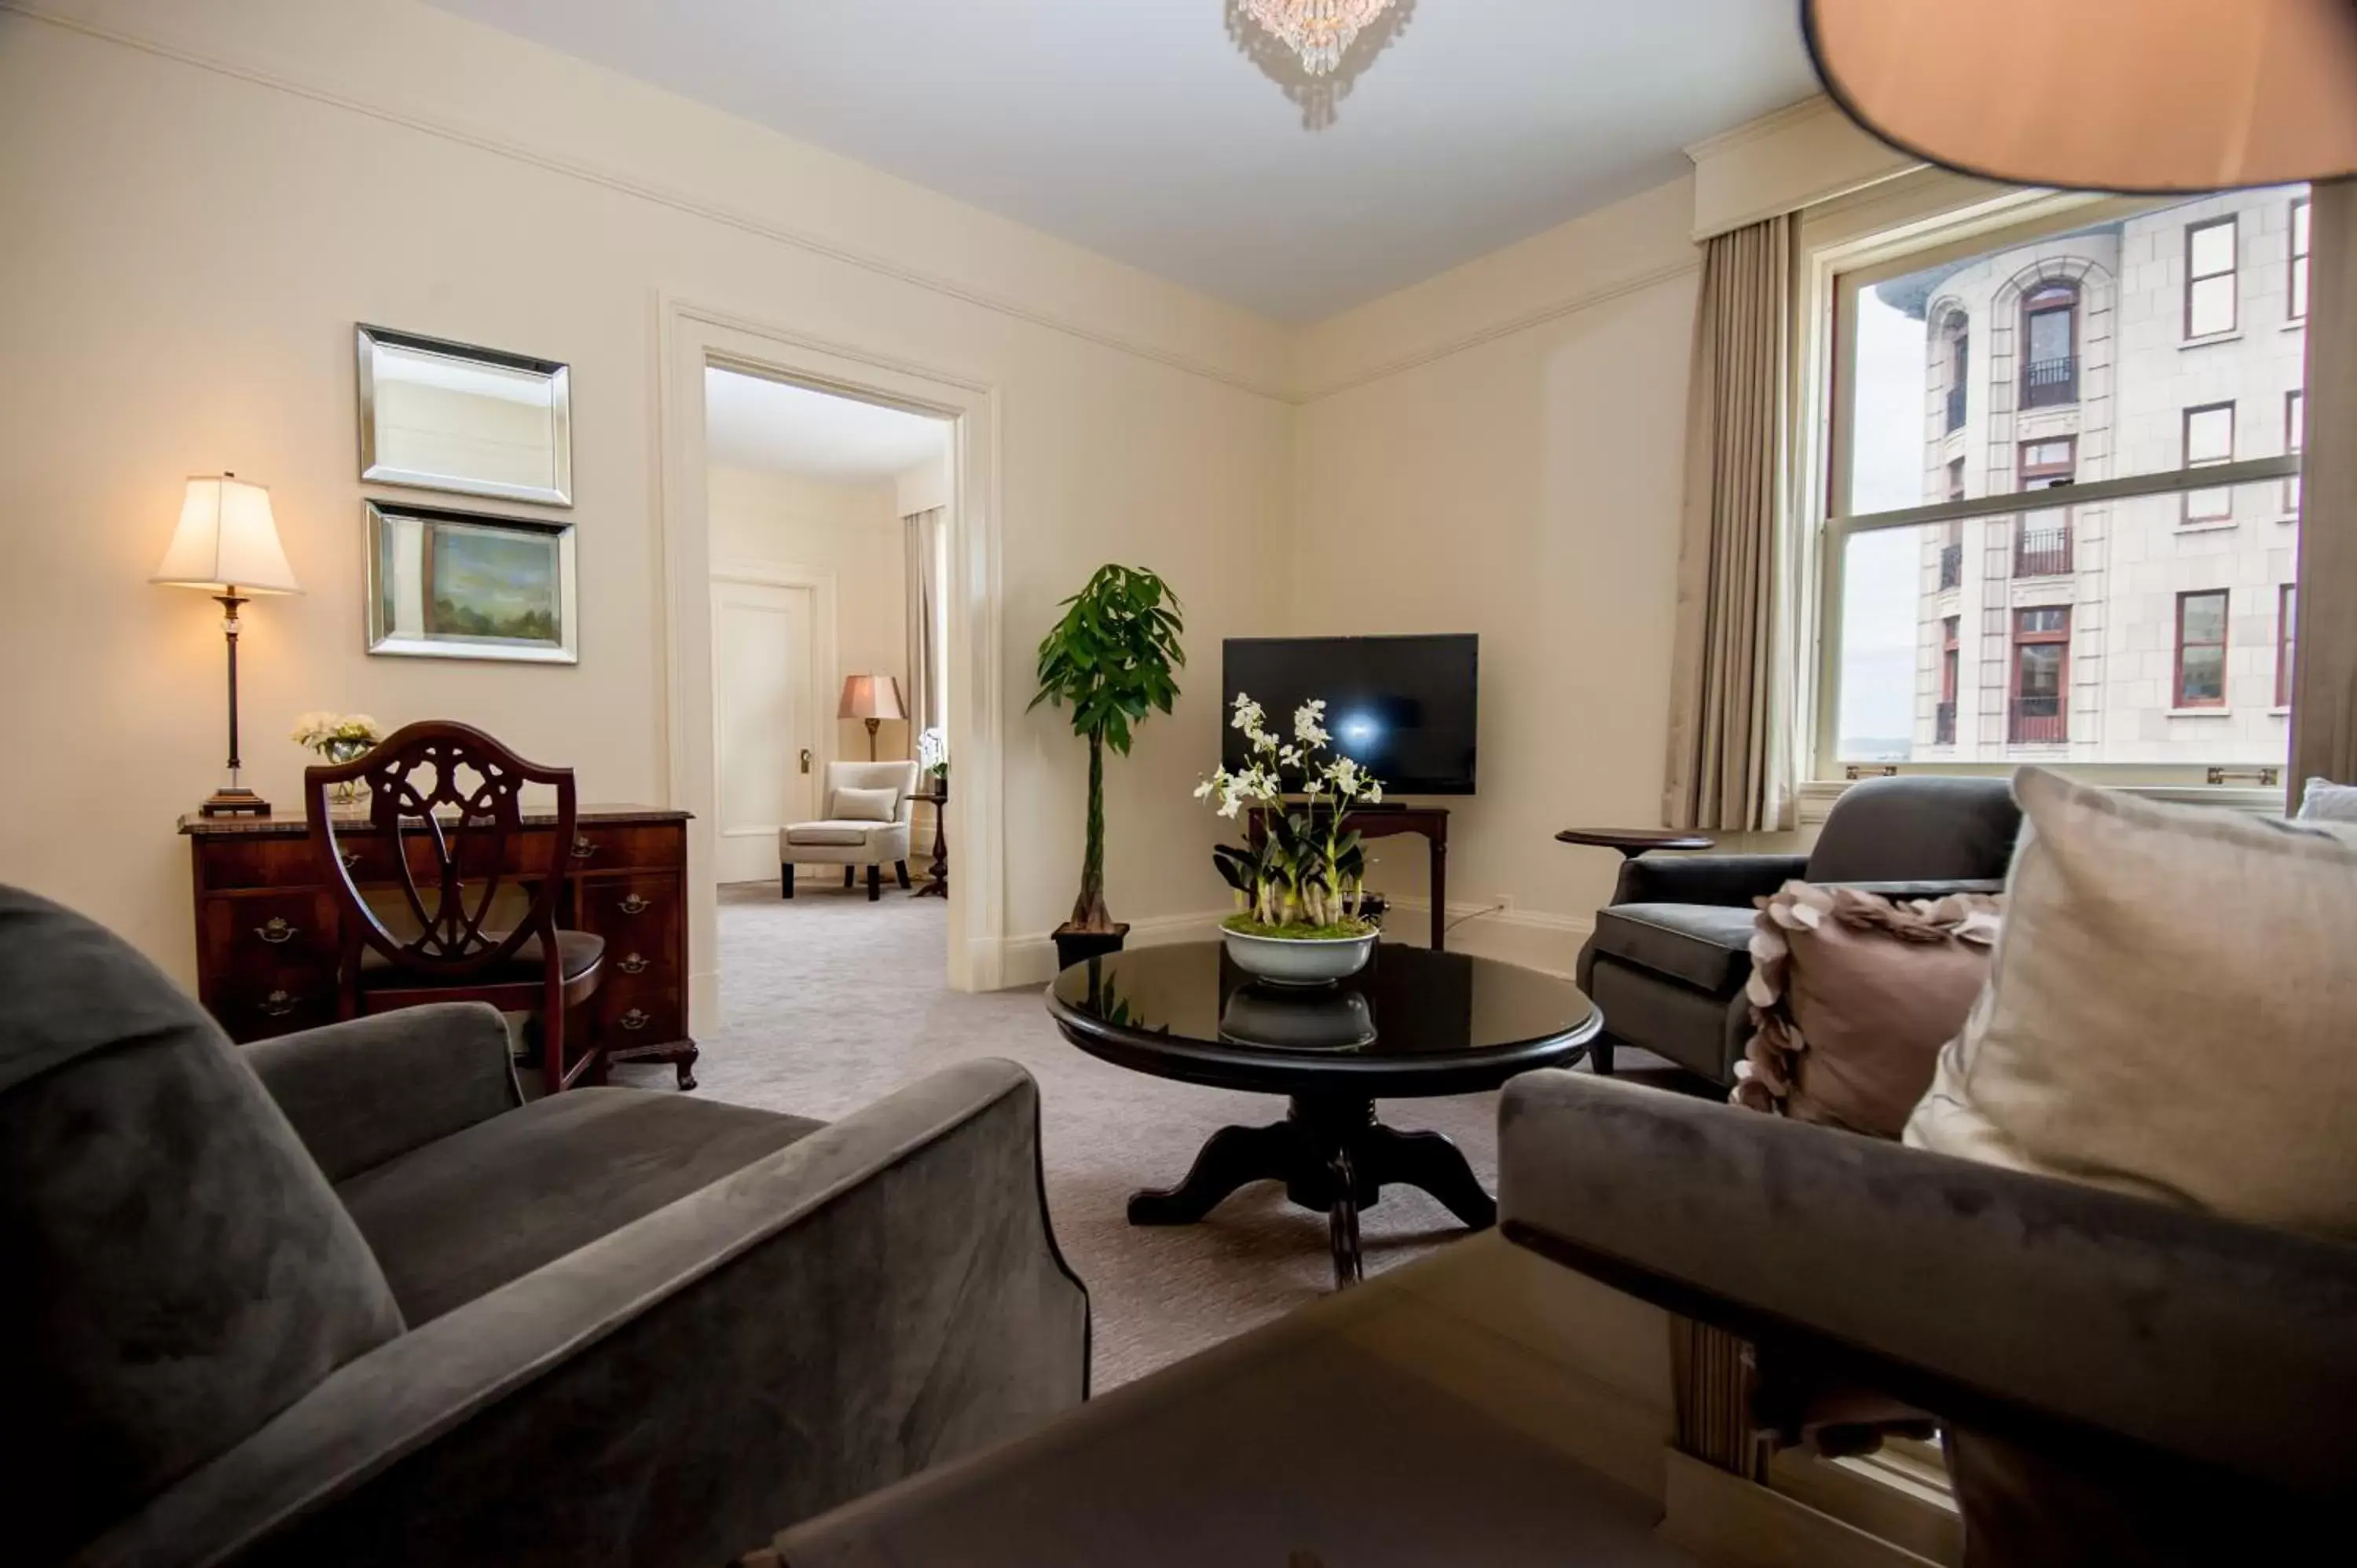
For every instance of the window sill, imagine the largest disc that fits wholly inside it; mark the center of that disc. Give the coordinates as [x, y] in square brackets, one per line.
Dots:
[2209, 525]
[2279, 713]
[2233, 337]
[2220, 712]
[2294, 324]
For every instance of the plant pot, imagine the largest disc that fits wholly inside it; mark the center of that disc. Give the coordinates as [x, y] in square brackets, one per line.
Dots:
[1298, 961]
[1297, 1018]
[1074, 945]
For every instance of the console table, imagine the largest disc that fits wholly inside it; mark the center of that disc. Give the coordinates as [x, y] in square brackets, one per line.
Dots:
[267, 935]
[1429, 823]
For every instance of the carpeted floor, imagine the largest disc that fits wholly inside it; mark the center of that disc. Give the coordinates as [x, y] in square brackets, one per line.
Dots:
[829, 1002]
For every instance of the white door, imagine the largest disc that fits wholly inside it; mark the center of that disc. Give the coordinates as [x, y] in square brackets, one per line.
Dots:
[766, 721]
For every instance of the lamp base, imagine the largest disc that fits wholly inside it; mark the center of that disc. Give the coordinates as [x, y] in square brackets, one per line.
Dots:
[233, 803]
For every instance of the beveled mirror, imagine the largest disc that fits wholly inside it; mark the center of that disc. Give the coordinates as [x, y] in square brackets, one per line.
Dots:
[449, 416]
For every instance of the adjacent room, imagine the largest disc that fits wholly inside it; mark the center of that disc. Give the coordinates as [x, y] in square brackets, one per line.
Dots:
[1296, 781]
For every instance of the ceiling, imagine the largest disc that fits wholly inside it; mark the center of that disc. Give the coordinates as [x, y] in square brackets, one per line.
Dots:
[1141, 129]
[753, 424]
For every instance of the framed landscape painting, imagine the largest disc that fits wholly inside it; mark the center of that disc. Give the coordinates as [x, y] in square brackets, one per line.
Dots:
[457, 584]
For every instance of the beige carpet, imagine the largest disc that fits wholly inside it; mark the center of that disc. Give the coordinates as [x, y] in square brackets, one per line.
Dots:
[829, 1002]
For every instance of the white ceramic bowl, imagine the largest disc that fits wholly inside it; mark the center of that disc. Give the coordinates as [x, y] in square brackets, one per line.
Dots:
[1291, 960]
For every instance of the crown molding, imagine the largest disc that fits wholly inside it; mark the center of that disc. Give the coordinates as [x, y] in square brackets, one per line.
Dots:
[678, 200]
[1814, 107]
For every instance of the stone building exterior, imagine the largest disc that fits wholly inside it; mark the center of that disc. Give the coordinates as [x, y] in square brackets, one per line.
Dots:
[2152, 631]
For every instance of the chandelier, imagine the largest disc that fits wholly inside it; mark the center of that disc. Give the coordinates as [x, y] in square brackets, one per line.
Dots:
[1317, 30]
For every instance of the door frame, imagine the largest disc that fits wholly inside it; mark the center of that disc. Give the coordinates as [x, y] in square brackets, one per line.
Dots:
[692, 337]
[822, 679]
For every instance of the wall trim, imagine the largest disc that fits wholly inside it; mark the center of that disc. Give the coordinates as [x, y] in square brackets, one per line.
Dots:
[681, 201]
[1570, 305]
[1030, 959]
[1814, 107]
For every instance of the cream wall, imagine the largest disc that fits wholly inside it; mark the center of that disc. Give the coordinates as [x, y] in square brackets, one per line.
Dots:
[203, 197]
[850, 532]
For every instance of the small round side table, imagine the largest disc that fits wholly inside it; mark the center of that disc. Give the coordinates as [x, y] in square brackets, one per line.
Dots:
[1634, 842]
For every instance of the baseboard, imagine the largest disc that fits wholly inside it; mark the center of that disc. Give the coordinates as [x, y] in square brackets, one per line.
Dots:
[1031, 960]
[1728, 1520]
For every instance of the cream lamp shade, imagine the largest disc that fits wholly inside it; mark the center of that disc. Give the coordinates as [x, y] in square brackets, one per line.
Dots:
[2134, 96]
[227, 540]
[871, 697]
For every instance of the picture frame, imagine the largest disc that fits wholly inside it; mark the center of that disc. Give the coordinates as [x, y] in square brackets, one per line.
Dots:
[438, 416]
[462, 584]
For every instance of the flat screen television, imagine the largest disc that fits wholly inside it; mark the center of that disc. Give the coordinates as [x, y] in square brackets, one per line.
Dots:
[1402, 707]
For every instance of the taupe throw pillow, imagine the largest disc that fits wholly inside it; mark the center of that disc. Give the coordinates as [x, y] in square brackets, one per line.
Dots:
[1852, 996]
[2171, 1011]
[867, 805]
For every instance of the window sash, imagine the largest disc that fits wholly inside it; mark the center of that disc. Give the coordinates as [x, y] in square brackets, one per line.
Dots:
[2209, 293]
[2287, 630]
[2296, 280]
[2212, 503]
[2207, 650]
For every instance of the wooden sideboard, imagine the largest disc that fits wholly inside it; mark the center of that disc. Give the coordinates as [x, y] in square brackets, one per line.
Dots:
[267, 937]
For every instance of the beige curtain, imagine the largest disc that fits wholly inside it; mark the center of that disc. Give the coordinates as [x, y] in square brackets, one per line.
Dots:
[921, 547]
[1722, 675]
[2324, 673]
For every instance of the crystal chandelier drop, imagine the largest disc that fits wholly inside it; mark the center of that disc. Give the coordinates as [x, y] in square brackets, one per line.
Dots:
[1317, 30]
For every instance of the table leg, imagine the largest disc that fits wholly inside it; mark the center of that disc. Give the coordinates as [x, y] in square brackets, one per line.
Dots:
[1342, 1220]
[1439, 857]
[1233, 1157]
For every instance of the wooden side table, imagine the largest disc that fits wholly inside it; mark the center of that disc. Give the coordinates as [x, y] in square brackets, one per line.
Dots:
[1634, 842]
[1429, 823]
[937, 875]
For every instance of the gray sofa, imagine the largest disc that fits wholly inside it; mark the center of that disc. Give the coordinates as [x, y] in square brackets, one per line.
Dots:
[343, 1297]
[1670, 953]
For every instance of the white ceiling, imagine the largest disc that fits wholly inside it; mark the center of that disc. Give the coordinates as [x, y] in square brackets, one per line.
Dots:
[1140, 128]
[753, 424]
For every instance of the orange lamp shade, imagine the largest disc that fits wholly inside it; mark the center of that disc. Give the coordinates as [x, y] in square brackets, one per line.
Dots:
[871, 697]
[2133, 96]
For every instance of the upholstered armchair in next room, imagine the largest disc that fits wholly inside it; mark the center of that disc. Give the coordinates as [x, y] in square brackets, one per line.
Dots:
[1670, 953]
[869, 806]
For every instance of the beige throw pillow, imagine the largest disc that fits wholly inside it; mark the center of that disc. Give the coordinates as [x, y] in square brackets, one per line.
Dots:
[867, 805]
[1852, 996]
[2171, 1011]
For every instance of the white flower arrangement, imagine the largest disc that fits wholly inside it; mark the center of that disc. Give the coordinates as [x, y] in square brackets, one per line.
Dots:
[933, 751]
[320, 731]
[1305, 876]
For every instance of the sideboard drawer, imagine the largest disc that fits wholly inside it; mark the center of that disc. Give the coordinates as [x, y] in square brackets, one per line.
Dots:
[304, 1002]
[604, 848]
[633, 913]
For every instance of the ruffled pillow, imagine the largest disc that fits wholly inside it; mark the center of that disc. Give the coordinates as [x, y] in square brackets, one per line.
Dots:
[1852, 996]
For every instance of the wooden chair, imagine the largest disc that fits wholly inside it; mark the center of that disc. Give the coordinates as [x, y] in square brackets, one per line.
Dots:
[445, 829]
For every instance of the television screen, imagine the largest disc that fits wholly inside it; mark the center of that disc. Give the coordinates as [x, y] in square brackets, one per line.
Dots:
[1402, 707]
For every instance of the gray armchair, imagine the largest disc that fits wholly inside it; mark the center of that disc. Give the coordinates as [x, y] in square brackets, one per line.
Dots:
[1669, 955]
[342, 1297]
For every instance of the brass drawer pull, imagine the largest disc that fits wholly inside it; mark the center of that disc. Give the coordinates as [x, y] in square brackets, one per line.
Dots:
[582, 848]
[278, 1003]
[631, 963]
[274, 931]
[634, 1020]
[351, 859]
[632, 905]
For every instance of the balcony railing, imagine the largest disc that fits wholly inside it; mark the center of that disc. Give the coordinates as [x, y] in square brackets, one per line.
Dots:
[2037, 721]
[2049, 381]
[1943, 724]
[1957, 407]
[2042, 551]
[1951, 565]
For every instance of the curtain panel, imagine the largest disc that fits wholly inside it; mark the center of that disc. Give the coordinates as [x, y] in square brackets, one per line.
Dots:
[2324, 656]
[920, 548]
[1720, 767]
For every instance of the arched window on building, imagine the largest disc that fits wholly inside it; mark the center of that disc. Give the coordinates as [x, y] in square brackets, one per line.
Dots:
[1957, 331]
[2050, 336]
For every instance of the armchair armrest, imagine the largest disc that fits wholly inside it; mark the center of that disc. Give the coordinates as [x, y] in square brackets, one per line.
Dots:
[880, 1295]
[1723, 879]
[361, 1092]
[2020, 1303]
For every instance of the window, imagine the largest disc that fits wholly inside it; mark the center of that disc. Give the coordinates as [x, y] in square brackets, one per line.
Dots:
[2298, 283]
[2041, 540]
[1902, 512]
[2201, 650]
[2050, 330]
[2209, 441]
[2294, 423]
[2041, 666]
[2287, 607]
[2210, 251]
[1943, 717]
[1960, 360]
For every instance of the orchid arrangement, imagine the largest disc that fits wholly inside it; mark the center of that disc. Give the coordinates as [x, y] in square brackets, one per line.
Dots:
[1304, 877]
[933, 751]
[339, 737]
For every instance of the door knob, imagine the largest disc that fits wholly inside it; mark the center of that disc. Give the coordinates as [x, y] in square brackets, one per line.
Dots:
[806, 759]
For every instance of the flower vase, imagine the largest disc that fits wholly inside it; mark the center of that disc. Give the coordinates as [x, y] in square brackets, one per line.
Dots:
[349, 794]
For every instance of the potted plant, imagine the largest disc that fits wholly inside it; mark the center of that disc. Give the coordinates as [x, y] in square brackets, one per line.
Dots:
[1300, 875]
[1111, 659]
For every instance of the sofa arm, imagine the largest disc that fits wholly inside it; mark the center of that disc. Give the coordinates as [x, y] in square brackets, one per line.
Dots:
[1987, 1296]
[361, 1092]
[874, 1298]
[1722, 879]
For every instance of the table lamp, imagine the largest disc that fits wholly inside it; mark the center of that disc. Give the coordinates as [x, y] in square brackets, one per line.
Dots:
[874, 698]
[227, 544]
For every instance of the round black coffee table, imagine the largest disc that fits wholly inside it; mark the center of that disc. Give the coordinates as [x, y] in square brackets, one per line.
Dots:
[1413, 1022]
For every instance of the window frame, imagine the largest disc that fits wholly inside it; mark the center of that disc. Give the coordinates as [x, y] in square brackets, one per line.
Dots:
[2178, 701]
[2294, 438]
[1951, 675]
[2301, 236]
[2187, 516]
[2022, 639]
[2068, 308]
[2286, 640]
[2233, 271]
